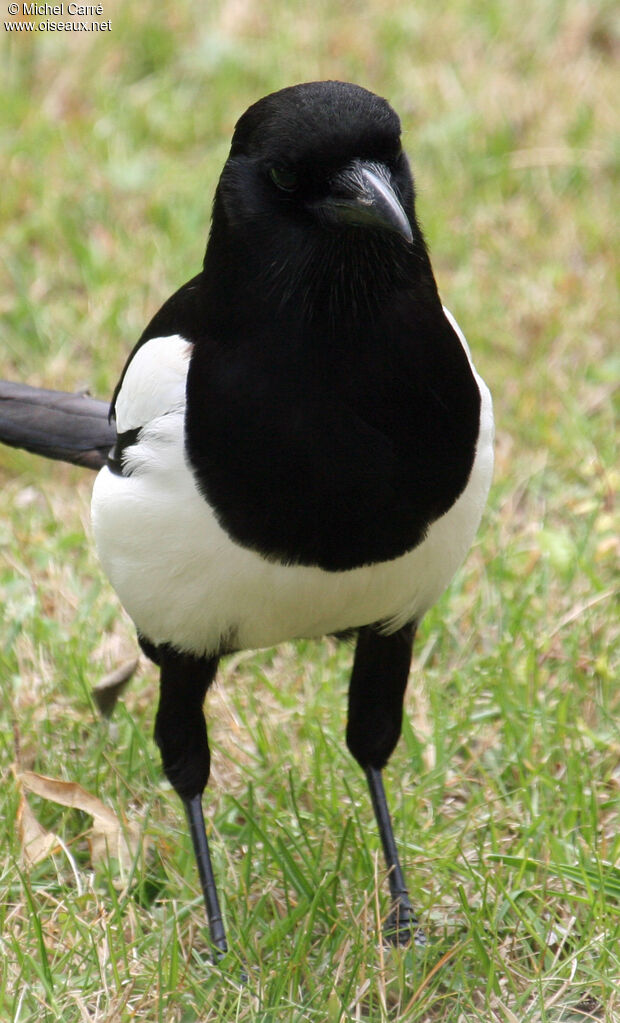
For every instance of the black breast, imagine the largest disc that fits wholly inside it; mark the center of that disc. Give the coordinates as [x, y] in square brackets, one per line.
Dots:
[335, 455]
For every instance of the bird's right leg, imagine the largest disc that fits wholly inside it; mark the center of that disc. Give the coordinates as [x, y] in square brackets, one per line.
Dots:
[376, 692]
[181, 734]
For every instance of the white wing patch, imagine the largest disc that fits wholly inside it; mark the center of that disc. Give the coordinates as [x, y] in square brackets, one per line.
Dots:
[154, 383]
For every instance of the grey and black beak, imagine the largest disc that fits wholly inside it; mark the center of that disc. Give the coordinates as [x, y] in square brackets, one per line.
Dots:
[361, 195]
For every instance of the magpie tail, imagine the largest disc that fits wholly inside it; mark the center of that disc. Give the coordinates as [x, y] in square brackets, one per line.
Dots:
[56, 424]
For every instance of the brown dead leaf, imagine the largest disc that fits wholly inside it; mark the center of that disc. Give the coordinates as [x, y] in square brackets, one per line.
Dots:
[37, 843]
[108, 837]
[108, 690]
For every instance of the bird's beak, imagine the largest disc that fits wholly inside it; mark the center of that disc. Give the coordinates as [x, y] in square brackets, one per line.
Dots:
[361, 196]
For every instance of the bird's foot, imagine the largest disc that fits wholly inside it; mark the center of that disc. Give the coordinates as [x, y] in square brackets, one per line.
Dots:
[219, 950]
[234, 968]
[402, 926]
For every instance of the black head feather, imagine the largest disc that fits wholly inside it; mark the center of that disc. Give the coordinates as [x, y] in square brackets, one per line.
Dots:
[274, 233]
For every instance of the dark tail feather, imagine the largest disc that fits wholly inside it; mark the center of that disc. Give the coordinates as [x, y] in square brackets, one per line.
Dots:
[56, 424]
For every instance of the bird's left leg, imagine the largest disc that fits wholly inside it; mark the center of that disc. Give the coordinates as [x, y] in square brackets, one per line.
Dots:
[181, 734]
[376, 692]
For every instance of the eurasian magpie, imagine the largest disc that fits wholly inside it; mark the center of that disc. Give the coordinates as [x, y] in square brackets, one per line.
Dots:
[299, 443]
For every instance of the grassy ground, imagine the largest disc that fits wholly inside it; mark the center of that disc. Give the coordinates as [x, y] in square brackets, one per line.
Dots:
[508, 772]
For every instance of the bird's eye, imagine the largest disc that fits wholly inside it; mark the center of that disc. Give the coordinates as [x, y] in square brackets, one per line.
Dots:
[284, 178]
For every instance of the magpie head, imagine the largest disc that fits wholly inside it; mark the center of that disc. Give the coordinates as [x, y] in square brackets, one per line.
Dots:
[316, 201]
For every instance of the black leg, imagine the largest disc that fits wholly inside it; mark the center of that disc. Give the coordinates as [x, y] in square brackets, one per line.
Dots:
[193, 808]
[376, 692]
[181, 734]
[402, 925]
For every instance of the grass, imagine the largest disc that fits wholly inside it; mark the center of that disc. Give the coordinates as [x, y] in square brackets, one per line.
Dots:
[505, 786]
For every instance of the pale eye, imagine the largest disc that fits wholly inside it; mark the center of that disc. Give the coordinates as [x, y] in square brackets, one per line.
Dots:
[284, 178]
